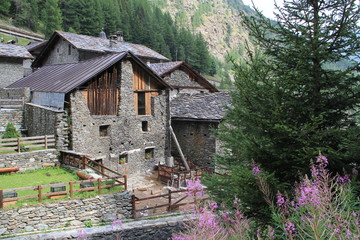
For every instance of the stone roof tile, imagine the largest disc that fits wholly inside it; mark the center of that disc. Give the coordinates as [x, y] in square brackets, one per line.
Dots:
[201, 106]
[16, 51]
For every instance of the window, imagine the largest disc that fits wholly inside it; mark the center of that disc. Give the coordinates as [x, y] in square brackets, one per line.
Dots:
[141, 104]
[69, 49]
[145, 126]
[123, 158]
[149, 153]
[104, 130]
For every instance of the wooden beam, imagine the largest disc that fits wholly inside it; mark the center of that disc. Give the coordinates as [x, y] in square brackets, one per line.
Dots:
[179, 149]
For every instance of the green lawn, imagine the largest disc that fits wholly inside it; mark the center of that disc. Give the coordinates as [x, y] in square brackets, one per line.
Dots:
[42, 177]
[6, 37]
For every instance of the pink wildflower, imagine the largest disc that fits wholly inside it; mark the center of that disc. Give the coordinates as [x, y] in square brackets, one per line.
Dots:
[256, 170]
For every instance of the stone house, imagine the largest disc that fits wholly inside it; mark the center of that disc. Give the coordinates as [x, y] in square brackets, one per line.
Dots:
[15, 63]
[64, 47]
[182, 78]
[110, 107]
[194, 117]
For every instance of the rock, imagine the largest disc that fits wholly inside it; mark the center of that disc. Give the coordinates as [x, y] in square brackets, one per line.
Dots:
[29, 228]
[76, 223]
[109, 217]
[2, 231]
[42, 226]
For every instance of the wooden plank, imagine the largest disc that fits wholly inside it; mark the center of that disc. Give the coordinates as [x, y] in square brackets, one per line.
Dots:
[152, 197]
[147, 103]
[20, 189]
[179, 148]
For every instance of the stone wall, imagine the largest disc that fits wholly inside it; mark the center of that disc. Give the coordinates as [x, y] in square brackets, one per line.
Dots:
[11, 70]
[125, 135]
[197, 141]
[15, 93]
[28, 160]
[103, 208]
[61, 54]
[158, 229]
[14, 116]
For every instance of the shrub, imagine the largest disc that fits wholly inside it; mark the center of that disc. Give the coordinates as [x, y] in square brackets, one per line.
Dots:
[10, 132]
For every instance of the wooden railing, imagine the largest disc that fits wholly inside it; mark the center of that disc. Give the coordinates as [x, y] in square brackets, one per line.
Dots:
[175, 176]
[11, 103]
[27, 143]
[82, 161]
[169, 205]
[40, 188]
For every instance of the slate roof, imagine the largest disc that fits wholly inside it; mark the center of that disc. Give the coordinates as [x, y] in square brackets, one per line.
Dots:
[98, 44]
[63, 78]
[34, 45]
[163, 68]
[16, 51]
[200, 107]
[167, 67]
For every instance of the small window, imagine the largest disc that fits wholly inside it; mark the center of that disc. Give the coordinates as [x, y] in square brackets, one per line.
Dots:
[69, 50]
[149, 153]
[104, 130]
[141, 103]
[123, 158]
[145, 126]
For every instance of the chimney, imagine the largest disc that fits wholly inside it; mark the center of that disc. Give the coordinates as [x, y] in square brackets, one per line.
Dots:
[119, 36]
[102, 34]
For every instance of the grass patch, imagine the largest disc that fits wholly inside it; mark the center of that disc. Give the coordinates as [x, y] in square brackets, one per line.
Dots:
[45, 176]
[7, 37]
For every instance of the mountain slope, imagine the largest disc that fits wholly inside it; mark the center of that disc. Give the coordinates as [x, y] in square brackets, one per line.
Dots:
[218, 21]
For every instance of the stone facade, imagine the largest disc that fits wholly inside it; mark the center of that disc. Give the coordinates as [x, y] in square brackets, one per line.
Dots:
[180, 78]
[63, 52]
[103, 208]
[15, 93]
[124, 132]
[11, 70]
[197, 141]
[41, 121]
[29, 160]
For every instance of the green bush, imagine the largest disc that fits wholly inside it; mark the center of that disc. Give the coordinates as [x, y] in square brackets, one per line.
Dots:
[11, 132]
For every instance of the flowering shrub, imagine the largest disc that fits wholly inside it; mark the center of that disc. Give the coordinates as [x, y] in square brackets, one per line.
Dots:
[209, 221]
[323, 207]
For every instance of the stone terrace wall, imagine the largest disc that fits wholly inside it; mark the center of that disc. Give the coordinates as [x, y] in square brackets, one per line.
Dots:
[29, 160]
[15, 93]
[14, 116]
[41, 121]
[103, 208]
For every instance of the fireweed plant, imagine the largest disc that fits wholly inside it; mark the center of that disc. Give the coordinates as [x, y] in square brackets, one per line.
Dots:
[323, 207]
[213, 222]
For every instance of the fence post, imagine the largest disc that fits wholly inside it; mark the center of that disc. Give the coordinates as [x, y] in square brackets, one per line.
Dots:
[125, 182]
[71, 189]
[46, 142]
[1, 199]
[99, 186]
[18, 144]
[133, 205]
[39, 195]
[169, 208]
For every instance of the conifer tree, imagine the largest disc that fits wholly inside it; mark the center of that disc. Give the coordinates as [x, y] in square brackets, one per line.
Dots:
[4, 6]
[51, 17]
[288, 105]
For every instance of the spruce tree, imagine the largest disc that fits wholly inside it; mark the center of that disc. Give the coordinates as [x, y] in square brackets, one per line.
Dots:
[288, 105]
[4, 6]
[51, 17]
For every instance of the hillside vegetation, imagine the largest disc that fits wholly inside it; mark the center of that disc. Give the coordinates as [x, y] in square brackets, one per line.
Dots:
[140, 21]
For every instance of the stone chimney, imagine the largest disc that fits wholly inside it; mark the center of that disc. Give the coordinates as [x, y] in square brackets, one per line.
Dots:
[119, 36]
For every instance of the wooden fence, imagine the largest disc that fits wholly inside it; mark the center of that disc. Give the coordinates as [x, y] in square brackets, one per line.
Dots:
[11, 103]
[40, 194]
[175, 176]
[166, 201]
[27, 143]
[82, 161]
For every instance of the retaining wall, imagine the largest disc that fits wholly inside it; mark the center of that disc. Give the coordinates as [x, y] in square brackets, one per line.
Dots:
[103, 208]
[29, 160]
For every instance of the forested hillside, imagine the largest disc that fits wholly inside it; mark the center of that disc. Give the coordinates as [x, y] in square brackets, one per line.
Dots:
[140, 21]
